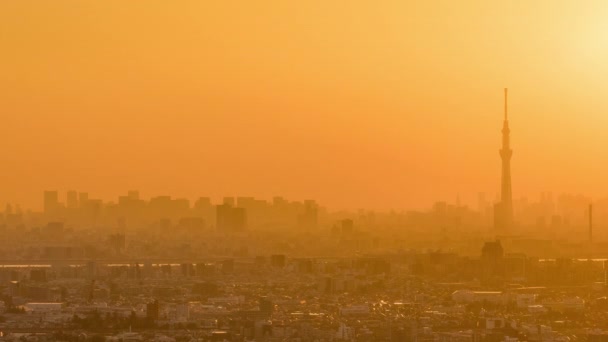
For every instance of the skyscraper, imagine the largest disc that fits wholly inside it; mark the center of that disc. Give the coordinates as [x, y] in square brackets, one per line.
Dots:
[72, 200]
[51, 202]
[503, 211]
[230, 219]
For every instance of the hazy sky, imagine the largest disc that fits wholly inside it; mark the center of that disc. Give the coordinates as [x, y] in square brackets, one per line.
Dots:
[376, 104]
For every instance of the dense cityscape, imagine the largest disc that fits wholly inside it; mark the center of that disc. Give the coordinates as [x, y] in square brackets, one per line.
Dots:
[247, 269]
[292, 171]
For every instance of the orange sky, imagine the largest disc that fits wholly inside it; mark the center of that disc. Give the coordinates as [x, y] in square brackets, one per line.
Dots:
[375, 104]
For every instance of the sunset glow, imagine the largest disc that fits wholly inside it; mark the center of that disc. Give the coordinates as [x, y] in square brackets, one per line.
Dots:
[356, 104]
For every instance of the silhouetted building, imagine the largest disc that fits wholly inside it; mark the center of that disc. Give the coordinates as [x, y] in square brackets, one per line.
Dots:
[37, 293]
[91, 270]
[62, 252]
[205, 270]
[266, 306]
[228, 266]
[277, 260]
[153, 310]
[72, 200]
[38, 275]
[53, 230]
[133, 195]
[205, 289]
[187, 270]
[515, 266]
[191, 224]
[347, 226]
[309, 218]
[373, 266]
[492, 263]
[305, 266]
[83, 198]
[230, 219]
[117, 242]
[51, 202]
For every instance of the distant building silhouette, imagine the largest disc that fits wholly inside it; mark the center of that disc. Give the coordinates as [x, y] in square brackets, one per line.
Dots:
[278, 260]
[133, 195]
[348, 226]
[191, 224]
[153, 310]
[51, 202]
[492, 263]
[72, 200]
[53, 230]
[230, 219]
[83, 198]
[503, 211]
[310, 217]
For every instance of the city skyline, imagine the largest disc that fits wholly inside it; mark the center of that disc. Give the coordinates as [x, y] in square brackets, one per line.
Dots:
[391, 106]
[503, 212]
[303, 171]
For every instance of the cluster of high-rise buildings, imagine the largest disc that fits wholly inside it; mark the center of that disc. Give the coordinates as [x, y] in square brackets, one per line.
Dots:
[233, 214]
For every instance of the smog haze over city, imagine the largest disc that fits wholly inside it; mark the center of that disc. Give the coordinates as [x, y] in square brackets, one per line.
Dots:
[304, 170]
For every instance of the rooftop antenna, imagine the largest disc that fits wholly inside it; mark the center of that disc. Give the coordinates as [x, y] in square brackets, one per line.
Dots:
[506, 117]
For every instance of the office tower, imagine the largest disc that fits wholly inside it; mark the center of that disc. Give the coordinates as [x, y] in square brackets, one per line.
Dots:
[53, 230]
[492, 263]
[38, 275]
[133, 195]
[229, 201]
[347, 226]
[503, 211]
[83, 197]
[51, 202]
[153, 310]
[72, 200]
[191, 224]
[310, 217]
[202, 203]
[230, 219]
[278, 260]
[245, 202]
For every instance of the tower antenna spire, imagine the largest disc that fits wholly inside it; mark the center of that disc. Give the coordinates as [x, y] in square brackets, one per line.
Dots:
[506, 117]
[504, 211]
